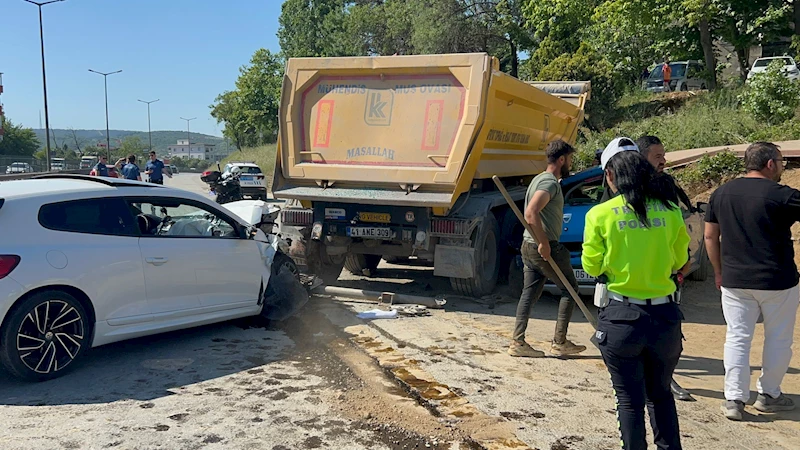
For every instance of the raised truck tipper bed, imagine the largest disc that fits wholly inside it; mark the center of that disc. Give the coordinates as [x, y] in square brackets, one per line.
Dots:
[393, 157]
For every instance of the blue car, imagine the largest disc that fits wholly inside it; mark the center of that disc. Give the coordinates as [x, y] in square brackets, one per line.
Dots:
[582, 191]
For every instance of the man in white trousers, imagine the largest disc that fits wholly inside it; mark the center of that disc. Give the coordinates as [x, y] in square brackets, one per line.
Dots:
[755, 270]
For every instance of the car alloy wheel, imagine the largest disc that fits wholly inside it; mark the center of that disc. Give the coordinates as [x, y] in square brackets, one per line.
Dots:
[50, 336]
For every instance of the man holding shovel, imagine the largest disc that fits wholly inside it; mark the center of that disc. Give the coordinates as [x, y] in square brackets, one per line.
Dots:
[544, 211]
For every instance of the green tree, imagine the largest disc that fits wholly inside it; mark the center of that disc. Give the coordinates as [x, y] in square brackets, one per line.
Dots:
[558, 26]
[132, 145]
[17, 140]
[315, 28]
[770, 96]
[745, 23]
[250, 112]
[587, 64]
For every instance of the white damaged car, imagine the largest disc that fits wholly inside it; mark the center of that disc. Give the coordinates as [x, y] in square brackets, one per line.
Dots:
[75, 252]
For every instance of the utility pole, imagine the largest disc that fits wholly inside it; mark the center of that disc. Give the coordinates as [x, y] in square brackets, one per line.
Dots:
[188, 136]
[105, 84]
[149, 133]
[44, 77]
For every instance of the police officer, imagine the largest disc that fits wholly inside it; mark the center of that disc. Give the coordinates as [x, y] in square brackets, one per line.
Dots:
[636, 241]
[101, 168]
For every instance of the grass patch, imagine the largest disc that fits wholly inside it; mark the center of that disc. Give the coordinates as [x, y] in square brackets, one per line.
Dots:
[708, 172]
[684, 121]
[263, 156]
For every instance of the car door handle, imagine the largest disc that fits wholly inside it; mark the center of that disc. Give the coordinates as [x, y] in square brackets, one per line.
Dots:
[156, 260]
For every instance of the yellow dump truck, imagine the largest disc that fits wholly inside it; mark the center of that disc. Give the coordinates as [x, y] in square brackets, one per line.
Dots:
[393, 157]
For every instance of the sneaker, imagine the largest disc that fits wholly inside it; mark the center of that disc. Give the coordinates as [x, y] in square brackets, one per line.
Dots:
[524, 350]
[767, 404]
[733, 409]
[566, 348]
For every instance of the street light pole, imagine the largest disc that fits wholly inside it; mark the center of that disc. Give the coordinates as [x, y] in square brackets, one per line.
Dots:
[105, 85]
[188, 136]
[149, 135]
[44, 78]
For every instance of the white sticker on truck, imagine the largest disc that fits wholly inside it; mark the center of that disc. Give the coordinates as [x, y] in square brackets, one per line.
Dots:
[334, 213]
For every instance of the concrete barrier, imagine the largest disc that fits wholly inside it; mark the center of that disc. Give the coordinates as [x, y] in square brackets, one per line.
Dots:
[25, 176]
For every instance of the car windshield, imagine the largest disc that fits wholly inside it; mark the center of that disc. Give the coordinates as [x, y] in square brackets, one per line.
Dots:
[587, 192]
[766, 61]
[250, 170]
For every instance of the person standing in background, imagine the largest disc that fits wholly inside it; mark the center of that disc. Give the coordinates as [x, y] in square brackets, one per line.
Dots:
[155, 170]
[101, 169]
[653, 150]
[544, 211]
[666, 71]
[130, 171]
[755, 270]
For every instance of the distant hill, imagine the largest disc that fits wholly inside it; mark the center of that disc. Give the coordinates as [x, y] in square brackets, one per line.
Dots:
[88, 138]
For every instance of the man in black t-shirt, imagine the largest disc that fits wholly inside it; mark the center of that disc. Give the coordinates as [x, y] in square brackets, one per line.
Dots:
[755, 270]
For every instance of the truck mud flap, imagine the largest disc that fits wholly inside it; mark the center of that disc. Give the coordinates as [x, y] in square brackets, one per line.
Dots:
[454, 262]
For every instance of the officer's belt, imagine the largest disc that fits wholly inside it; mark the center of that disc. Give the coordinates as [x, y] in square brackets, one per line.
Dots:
[637, 301]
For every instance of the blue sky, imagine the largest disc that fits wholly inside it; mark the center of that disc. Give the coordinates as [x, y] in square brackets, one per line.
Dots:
[183, 52]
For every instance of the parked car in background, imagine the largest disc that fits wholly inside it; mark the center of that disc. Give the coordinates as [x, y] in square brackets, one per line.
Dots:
[200, 264]
[19, 167]
[686, 76]
[252, 179]
[174, 169]
[790, 69]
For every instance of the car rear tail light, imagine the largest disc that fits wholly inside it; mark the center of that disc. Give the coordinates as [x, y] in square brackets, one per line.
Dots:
[7, 264]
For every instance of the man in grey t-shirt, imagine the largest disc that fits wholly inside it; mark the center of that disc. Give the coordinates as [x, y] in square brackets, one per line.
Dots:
[544, 211]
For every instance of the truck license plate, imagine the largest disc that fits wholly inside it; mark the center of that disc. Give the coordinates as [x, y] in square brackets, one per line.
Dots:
[582, 276]
[370, 232]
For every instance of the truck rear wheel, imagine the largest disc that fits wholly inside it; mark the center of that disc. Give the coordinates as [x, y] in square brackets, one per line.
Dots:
[487, 262]
[361, 264]
[325, 267]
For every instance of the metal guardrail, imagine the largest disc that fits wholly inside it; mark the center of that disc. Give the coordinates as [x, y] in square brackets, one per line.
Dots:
[25, 176]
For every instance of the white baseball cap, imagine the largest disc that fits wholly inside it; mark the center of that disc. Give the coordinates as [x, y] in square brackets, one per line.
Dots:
[614, 147]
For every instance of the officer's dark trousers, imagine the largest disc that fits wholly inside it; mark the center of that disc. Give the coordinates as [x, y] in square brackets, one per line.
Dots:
[641, 346]
[535, 274]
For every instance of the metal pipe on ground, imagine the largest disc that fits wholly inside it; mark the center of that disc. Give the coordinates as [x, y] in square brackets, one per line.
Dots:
[378, 297]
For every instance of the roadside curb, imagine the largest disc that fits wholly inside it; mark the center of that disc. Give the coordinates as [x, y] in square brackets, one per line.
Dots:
[491, 433]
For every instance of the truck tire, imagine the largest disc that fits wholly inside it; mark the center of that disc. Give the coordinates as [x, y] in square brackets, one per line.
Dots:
[361, 264]
[702, 272]
[487, 262]
[510, 243]
[325, 267]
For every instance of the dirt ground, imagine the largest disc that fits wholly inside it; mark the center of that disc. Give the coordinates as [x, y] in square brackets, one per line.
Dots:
[567, 403]
[326, 379]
